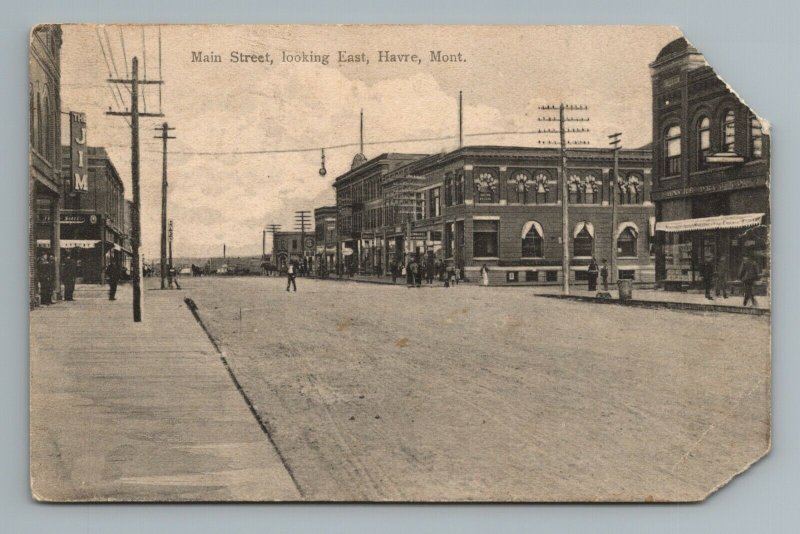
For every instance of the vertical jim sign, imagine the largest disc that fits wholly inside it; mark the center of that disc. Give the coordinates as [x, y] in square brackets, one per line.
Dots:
[77, 141]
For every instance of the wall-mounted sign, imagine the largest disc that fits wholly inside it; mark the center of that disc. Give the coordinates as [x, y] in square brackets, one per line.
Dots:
[77, 141]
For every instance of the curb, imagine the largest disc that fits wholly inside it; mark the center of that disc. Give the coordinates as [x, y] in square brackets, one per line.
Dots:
[660, 304]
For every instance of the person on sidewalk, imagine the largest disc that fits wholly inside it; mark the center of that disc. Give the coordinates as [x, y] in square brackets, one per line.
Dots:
[291, 274]
[593, 271]
[749, 275]
[604, 274]
[416, 270]
[485, 275]
[722, 277]
[44, 274]
[708, 277]
[430, 272]
[112, 272]
[69, 272]
[393, 270]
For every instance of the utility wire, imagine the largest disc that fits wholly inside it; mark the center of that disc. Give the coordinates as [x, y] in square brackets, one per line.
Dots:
[124, 54]
[108, 66]
[144, 60]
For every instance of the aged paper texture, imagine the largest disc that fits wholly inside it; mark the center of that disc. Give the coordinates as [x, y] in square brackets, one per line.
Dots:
[393, 263]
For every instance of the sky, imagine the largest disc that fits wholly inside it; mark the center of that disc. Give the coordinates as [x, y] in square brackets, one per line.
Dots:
[221, 194]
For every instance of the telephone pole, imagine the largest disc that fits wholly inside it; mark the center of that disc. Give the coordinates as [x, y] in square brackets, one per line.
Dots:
[136, 231]
[169, 267]
[164, 136]
[562, 171]
[300, 219]
[615, 147]
[271, 228]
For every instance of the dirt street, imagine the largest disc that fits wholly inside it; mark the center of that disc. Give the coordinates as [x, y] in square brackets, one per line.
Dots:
[471, 393]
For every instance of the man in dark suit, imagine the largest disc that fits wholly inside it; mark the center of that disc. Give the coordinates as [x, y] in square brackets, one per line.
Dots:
[112, 272]
[69, 272]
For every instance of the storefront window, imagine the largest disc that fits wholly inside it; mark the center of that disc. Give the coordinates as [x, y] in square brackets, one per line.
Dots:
[484, 239]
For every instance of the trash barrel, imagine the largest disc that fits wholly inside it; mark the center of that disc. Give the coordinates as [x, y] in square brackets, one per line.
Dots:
[625, 289]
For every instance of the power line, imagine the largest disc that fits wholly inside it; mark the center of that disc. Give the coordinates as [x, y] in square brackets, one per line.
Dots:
[124, 54]
[108, 67]
[144, 60]
[358, 144]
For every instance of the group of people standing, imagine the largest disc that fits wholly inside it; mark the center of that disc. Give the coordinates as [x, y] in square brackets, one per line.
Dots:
[716, 275]
[48, 284]
[416, 270]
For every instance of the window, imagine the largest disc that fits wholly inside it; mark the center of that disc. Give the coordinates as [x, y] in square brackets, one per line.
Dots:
[703, 141]
[630, 189]
[729, 132]
[435, 203]
[448, 190]
[459, 188]
[626, 243]
[484, 239]
[531, 276]
[39, 124]
[672, 151]
[582, 276]
[485, 187]
[449, 240]
[591, 185]
[541, 185]
[575, 187]
[756, 139]
[420, 202]
[626, 274]
[551, 276]
[532, 241]
[583, 243]
[294, 244]
[512, 276]
[523, 186]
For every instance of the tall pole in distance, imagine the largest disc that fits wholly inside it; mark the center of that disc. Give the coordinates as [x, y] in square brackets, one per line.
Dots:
[264, 244]
[615, 146]
[300, 220]
[169, 267]
[460, 119]
[136, 231]
[164, 136]
[564, 200]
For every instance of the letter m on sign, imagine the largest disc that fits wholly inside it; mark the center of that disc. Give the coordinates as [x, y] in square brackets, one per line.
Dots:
[80, 182]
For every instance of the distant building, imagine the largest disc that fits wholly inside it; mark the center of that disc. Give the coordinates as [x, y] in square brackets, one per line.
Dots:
[326, 236]
[710, 171]
[291, 246]
[359, 204]
[93, 224]
[44, 116]
[501, 206]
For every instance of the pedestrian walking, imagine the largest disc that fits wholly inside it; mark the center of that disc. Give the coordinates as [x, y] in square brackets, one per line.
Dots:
[485, 275]
[429, 272]
[451, 276]
[44, 273]
[291, 274]
[593, 271]
[112, 273]
[604, 274]
[749, 275]
[721, 285]
[416, 270]
[69, 272]
[409, 274]
[708, 277]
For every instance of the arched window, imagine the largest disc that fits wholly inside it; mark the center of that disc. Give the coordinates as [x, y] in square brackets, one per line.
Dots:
[626, 243]
[729, 132]
[39, 126]
[703, 141]
[575, 187]
[591, 186]
[31, 119]
[583, 242]
[523, 187]
[459, 188]
[756, 139]
[532, 240]
[48, 145]
[541, 181]
[630, 189]
[485, 187]
[672, 151]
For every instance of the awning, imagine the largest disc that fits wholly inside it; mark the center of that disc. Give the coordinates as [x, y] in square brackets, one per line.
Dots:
[711, 223]
[532, 224]
[625, 225]
[581, 225]
[70, 243]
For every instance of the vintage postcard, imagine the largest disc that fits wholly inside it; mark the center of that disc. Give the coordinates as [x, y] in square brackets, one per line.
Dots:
[393, 263]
